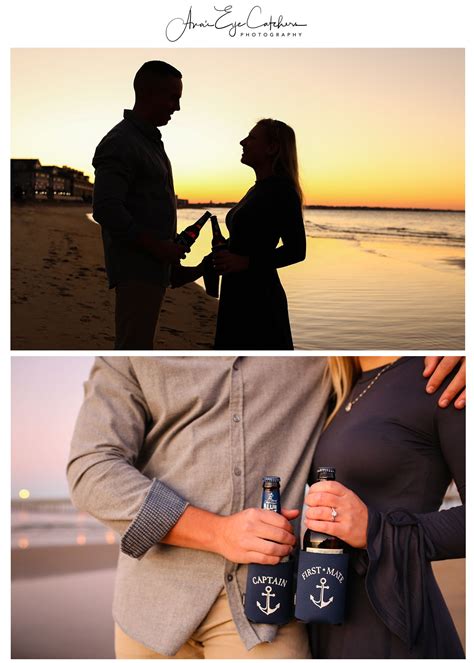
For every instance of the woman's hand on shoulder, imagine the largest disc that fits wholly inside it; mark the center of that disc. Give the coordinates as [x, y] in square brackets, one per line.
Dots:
[350, 523]
[226, 262]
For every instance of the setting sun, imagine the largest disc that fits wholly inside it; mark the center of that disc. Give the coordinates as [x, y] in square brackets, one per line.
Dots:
[374, 127]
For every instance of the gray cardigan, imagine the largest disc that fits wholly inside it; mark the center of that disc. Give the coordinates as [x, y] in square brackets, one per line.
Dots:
[157, 433]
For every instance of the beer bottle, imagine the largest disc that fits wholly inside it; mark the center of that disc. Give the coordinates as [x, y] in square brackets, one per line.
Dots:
[190, 234]
[271, 497]
[218, 239]
[317, 542]
[211, 277]
[269, 594]
[322, 573]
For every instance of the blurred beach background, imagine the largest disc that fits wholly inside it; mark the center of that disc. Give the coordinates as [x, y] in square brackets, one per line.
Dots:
[63, 569]
[375, 128]
[63, 561]
[371, 279]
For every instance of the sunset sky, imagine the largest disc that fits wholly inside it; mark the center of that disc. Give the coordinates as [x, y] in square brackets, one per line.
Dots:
[47, 393]
[374, 126]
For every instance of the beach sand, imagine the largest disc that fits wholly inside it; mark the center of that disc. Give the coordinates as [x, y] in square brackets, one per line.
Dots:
[62, 597]
[60, 295]
[346, 295]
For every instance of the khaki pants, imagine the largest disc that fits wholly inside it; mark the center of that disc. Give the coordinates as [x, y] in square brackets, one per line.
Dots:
[217, 637]
[137, 307]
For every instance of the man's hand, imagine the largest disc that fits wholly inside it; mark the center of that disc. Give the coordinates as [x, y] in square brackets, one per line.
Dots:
[164, 250]
[256, 535]
[226, 262]
[437, 369]
[253, 535]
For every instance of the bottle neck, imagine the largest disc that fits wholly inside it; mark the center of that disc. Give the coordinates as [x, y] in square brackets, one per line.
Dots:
[217, 236]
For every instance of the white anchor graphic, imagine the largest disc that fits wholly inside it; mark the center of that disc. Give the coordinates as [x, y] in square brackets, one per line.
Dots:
[268, 594]
[321, 603]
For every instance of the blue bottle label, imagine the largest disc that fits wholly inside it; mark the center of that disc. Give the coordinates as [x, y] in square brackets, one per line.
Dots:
[271, 500]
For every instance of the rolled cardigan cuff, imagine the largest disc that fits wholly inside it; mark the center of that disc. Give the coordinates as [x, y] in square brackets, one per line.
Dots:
[160, 511]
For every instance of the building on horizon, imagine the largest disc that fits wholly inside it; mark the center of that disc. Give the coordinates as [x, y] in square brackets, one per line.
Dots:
[32, 181]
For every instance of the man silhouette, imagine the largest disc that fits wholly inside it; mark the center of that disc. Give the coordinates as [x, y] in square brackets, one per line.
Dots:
[135, 204]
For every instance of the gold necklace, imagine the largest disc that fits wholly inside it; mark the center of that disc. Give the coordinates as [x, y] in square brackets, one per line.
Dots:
[348, 407]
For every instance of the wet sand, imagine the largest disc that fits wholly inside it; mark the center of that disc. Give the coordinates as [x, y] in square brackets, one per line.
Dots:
[60, 296]
[62, 598]
[346, 295]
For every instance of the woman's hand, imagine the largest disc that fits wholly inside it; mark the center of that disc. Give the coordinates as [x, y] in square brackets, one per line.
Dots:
[352, 518]
[226, 262]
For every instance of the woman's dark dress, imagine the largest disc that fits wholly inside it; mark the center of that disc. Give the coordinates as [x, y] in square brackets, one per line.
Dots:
[398, 451]
[253, 311]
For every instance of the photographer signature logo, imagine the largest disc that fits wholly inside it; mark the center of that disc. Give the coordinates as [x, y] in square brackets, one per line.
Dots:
[225, 21]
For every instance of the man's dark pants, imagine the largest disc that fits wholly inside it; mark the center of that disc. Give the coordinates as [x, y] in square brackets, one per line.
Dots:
[137, 308]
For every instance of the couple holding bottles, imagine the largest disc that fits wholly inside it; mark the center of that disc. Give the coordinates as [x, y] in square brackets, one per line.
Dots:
[135, 204]
[170, 453]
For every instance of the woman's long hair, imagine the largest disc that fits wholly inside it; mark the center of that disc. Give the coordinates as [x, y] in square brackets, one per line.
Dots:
[343, 372]
[285, 163]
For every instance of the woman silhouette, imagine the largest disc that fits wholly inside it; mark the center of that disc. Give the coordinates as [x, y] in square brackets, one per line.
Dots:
[253, 310]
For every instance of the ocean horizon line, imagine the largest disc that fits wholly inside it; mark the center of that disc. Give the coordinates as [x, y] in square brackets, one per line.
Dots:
[340, 207]
[199, 205]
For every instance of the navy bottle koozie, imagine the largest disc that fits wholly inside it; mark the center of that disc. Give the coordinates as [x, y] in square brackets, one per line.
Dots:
[321, 587]
[269, 596]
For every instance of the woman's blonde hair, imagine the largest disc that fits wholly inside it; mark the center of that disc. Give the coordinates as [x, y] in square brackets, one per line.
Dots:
[285, 163]
[343, 372]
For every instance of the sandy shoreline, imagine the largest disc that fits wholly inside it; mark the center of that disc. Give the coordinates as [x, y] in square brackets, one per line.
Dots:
[60, 296]
[346, 295]
[43, 561]
[62, 598]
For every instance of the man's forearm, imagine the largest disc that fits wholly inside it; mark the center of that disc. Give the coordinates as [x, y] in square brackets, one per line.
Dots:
[252, 535]
[197, 529]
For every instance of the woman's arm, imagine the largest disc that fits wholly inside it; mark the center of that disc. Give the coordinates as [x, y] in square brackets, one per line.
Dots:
[444, 530]
[287, 215]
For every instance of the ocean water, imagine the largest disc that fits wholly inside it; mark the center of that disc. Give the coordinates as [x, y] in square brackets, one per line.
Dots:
[372, 279]
[445, 228]
[55, 523]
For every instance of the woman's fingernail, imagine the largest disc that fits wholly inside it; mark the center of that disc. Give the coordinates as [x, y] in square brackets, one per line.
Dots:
[430, 389]
[461, 403]
[444, 402]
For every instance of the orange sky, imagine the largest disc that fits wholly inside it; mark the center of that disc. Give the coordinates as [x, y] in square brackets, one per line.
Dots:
[382, 127]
